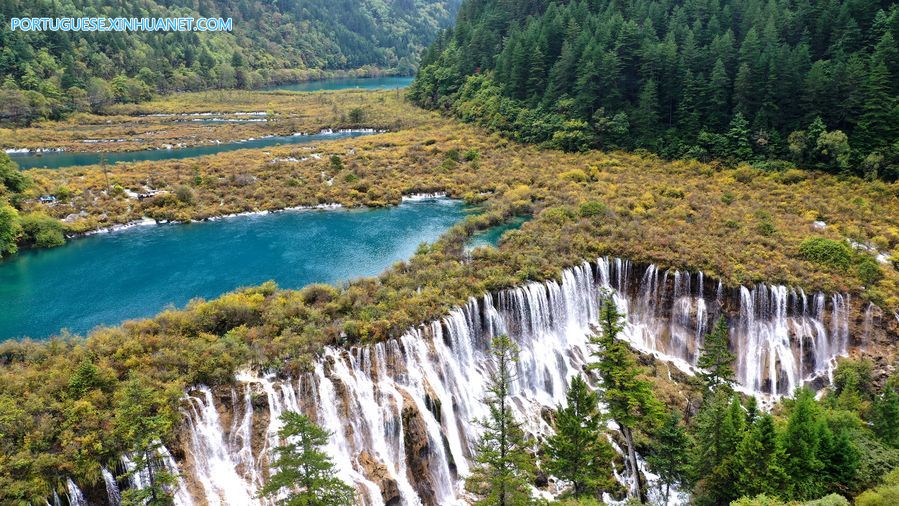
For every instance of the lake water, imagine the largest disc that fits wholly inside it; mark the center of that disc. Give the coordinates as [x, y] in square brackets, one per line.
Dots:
[55, 160]
[105, 279]
[362, 83]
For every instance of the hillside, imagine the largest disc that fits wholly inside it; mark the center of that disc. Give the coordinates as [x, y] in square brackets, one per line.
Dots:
[811, 83]
[47, 74]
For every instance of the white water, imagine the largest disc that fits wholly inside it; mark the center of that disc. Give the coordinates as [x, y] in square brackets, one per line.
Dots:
[112, 488]
[406, 406]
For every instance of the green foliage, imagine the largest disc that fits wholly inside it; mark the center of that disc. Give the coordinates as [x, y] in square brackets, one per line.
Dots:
[12, 180]
[41, 231]
[10, 229]
[719, 429]
[716, 360]
[828, 252]
[886, 414]
[628, 398]
[734, 81]
[503, 465]
[760, 460]
[592, 208]
[304, 474]
[669, 454]
[578, 452]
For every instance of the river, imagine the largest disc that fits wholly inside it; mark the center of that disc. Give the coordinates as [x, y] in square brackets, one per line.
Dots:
[107, 278]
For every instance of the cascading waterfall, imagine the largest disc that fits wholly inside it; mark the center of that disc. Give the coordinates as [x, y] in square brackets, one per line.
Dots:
[402, 412]
[113, 493]
[74, 494]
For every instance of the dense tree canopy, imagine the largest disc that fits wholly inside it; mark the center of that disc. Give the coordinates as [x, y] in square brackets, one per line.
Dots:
[734, 80]
[45, 74]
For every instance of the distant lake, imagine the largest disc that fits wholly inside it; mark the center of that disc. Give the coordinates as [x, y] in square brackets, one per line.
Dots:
[59, 159]
[107, 278]
[362, 83]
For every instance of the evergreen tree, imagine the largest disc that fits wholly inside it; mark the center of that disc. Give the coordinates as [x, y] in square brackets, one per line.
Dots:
[719, 429]
[504, 466]
[716, 360]
[886, 414]
[304, 474]
[141, 421]
[759, 461]
[578, 452]
[669, 455]
[628, 398]
[801, 442]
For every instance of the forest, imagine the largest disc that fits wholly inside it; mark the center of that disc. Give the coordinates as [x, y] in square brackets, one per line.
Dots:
[50, 74]
[773, 83]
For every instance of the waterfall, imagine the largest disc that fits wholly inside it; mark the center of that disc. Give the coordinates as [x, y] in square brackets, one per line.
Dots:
[112, 488]
[161, 460]
[401, 413]
[76, 498]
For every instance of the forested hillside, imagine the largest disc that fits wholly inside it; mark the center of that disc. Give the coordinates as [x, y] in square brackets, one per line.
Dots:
[814, 83]
[46, 74]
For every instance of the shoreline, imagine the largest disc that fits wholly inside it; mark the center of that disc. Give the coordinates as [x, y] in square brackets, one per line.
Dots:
[331, 206]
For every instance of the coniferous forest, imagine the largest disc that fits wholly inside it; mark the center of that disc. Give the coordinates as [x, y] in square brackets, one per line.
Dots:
[772, 83]
[49, 74]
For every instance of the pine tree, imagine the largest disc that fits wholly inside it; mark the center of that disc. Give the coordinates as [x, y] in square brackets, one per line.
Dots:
[720, 427]
[716, 360]
[628, 398]
[504, 465]
[579, 452]
[141, 421]
[801, 442]
[738, 139]
[840, 458]
[718, 105]
[759, 461]
[304, 474]
[886, 414]
[669, 455]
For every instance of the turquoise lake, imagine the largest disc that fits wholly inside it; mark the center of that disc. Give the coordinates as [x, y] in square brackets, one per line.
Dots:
[108, 278]
[362, 83]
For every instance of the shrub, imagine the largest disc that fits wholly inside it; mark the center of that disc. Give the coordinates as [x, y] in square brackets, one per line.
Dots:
[745, 174]
[829, 252]
[42, 231]
[576, 175]
[829, 500]
[868, 270]
[593, 208]
[184, 195]
[792, 176]
[472, 155]
[454, 155]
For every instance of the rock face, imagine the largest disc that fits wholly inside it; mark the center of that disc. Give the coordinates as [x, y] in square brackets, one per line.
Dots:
[417, 450]
[377, 473]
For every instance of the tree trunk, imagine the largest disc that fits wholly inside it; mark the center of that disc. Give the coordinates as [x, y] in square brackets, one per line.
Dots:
[636, 490]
